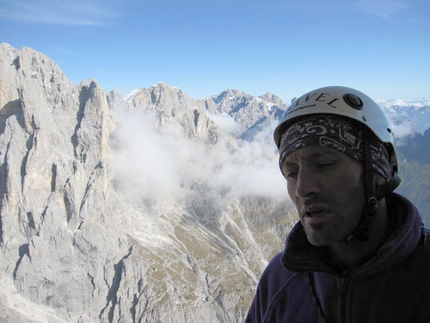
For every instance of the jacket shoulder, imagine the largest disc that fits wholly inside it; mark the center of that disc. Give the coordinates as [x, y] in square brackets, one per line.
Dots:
[272, 289]
[274, 279]
[420, 259]
[426, 238]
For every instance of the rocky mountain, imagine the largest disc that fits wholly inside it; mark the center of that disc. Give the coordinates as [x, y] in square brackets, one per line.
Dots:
[414, 147]
[407, 116]
[143, 209]
[410, 120]
[146, 208]
[415, 171]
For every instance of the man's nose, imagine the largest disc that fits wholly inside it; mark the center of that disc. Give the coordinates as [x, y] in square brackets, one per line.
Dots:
[307, 183]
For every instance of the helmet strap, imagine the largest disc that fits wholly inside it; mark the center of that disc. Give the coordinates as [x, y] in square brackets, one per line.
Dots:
[361, 231]
[369, 177]
[373, 195]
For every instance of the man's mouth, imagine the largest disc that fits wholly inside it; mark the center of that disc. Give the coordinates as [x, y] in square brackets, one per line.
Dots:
[312, 212]
[316, 215]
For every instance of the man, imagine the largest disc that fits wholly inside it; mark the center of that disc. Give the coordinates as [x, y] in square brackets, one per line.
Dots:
[359, 253]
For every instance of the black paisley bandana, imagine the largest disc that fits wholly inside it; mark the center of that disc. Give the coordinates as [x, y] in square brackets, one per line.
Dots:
[336, 132]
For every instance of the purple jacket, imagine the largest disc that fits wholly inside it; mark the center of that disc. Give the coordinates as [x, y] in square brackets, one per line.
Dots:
[393, 286]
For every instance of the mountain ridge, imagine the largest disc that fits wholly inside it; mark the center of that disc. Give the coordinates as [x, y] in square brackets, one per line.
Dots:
[151, 207]
[88, 234]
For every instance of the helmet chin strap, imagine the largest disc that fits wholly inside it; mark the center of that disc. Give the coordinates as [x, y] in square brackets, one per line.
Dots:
[373, 196]
[361, 231]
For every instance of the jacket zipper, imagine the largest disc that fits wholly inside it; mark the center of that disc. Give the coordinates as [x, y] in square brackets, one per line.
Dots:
[343, 293]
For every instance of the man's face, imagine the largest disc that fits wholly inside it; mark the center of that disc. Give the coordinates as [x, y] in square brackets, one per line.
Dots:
[327, 188]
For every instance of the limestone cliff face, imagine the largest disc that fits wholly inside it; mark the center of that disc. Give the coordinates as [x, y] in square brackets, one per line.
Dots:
[82, 241]
[172, 104]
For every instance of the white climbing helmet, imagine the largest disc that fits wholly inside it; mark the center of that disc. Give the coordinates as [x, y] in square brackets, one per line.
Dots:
[341, 101]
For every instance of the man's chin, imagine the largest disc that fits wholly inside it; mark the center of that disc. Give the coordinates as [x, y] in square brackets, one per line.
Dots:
[316, 240]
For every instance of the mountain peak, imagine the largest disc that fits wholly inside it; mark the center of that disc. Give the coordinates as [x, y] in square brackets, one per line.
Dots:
[147, 212]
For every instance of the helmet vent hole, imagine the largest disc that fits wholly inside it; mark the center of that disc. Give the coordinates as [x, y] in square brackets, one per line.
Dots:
[389, 130]
[364, 119]
[353, 101]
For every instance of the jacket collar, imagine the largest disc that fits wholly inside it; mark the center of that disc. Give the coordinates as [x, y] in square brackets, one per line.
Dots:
[406, 230]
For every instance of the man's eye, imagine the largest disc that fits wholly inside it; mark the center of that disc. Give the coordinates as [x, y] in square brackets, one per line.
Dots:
[291, 175]
[325, 163]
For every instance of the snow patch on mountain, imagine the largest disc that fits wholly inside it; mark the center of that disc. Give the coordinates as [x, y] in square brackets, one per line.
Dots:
[130, 96]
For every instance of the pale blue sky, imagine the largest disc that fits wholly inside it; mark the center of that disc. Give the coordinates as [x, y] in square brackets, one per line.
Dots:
[381, 47]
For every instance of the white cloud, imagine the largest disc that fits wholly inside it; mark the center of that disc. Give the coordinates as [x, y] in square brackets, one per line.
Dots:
[146, 163]
[77, 12]
[225, 122]
[416, 103]
[406, 116]
[152, 162]
[402, 130]
[380, 8]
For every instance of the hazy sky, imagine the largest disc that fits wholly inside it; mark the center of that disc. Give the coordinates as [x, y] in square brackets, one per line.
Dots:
[380, 47]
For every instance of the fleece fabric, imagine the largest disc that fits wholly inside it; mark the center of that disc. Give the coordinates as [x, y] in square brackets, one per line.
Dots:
[393, 286]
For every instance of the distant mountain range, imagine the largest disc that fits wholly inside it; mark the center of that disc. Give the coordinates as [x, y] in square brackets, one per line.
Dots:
[416, 147]
[408, 116]
[411, 124]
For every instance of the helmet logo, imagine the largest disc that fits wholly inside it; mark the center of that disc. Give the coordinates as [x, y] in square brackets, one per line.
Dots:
[353, 101]
[311, 101]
